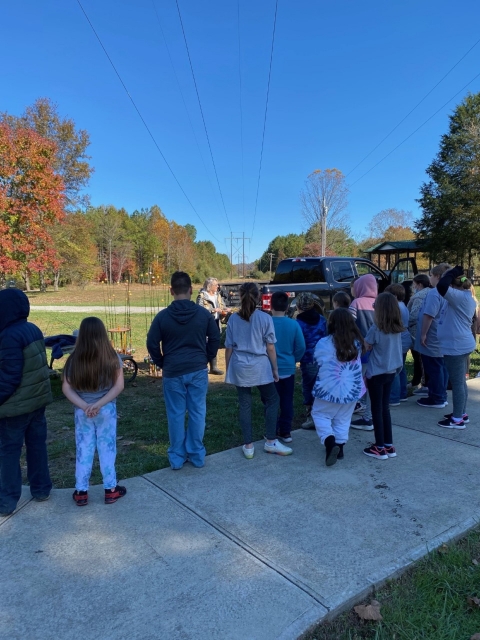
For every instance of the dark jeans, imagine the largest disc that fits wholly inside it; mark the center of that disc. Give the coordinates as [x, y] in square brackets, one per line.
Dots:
[309, 375]
[285, 388]
[457, 367]
[417, 368]
[379, 388]
[31, 427]
[437, 375]
[270, 400]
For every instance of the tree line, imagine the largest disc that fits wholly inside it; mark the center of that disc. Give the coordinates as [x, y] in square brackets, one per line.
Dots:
[51, 234]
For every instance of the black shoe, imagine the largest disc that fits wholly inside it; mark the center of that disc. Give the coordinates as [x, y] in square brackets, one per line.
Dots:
[331, 451]
[41, 498]
[340, 453]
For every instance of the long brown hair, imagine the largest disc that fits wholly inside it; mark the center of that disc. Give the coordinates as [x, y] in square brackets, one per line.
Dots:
[387, 314]
[94, 363]
[249, 295]
[346, 335]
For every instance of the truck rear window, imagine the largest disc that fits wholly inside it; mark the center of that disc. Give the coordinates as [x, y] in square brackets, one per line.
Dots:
[299, 270]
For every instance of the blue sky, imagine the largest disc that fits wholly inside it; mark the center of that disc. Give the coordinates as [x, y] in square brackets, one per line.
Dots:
[344, 74]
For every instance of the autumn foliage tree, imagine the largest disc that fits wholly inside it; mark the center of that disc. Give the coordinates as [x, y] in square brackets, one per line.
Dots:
[31, 201]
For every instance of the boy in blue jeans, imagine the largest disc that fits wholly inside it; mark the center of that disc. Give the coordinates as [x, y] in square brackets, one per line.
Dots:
[290, 347]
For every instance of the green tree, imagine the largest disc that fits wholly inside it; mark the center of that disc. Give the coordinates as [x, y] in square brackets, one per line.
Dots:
[76, 250]
[71, 160]
[281, 247]
[450, 200]
[339, 242]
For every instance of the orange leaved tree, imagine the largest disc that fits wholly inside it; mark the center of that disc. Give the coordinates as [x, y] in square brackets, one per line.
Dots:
[31, 202]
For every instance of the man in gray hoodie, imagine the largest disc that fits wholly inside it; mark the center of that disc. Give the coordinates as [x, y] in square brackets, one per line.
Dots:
[182, 339]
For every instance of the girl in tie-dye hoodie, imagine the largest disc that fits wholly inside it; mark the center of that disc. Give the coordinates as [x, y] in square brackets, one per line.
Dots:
[339, 382]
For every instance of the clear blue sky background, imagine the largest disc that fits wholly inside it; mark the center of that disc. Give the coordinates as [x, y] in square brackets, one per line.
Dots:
[344, 74]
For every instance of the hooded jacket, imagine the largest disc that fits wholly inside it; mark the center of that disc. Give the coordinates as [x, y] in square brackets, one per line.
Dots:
[24, 373]
[365, 290]
[183, 338]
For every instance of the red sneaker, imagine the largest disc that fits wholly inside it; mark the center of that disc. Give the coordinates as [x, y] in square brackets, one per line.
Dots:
[376, 452]
[112, 495]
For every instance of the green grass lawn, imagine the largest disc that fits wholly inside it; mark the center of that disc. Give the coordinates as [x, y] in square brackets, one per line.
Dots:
[142, 427]
[428, 602]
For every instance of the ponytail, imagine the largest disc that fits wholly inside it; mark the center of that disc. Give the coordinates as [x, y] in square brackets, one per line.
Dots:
[249, 295]
[462, 283]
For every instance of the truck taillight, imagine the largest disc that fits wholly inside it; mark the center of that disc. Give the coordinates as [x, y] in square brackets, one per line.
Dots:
[267, 301]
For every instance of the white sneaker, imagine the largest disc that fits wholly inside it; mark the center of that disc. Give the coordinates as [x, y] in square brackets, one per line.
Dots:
[248, 453]
[309, 423]
[277, 447]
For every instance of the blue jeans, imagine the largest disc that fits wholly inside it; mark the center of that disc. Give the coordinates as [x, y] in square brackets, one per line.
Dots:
[31, 427]
[437, 374]
[182, 394]
[270, 401]
[399, 385]
[309, 375]
[285, 389]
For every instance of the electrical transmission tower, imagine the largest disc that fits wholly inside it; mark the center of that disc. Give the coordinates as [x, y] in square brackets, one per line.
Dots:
[237, 251]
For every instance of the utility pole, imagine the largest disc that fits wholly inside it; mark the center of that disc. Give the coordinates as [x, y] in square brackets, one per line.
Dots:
[324, 226]
[271, 258]
[243, 255]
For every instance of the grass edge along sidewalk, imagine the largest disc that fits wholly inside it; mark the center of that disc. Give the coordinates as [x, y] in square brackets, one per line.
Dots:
[435, 598]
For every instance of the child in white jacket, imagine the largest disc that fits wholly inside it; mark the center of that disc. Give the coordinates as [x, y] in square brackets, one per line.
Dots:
[339, 382]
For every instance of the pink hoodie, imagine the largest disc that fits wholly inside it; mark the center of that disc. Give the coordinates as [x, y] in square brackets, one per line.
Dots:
[365, 290]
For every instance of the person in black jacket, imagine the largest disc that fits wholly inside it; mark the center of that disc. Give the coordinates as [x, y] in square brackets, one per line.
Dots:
[24, 393]
[183, 329]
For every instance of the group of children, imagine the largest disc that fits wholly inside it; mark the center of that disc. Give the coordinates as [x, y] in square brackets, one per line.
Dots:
[354, 362]
[359, 347]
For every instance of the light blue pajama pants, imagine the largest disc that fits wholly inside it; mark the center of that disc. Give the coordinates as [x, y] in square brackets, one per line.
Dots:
[100, 433]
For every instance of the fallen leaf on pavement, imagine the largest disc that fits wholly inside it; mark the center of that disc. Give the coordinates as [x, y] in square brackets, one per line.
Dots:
[369, 611]
[473, 601]
[443, 549]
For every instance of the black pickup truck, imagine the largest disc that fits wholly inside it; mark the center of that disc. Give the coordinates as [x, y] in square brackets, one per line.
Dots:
[325, 276]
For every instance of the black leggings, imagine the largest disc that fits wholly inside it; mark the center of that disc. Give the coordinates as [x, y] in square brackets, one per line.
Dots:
[379, 389]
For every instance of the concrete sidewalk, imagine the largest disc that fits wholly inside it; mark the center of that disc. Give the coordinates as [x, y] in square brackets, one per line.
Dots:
[240, 549]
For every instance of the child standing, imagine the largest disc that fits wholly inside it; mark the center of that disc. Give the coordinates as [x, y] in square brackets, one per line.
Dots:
[399, 386]
[341, 300]
[339, 382]
[251, 361]
[384, 339]
[92, 379]
[290, 347]
[314, 327]
[365, 291]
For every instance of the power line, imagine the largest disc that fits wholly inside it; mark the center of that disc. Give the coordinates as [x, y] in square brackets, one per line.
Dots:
[412, 110]
[241, 109]
[182, 96]
[265, 117]
[417, 129]
[144, 123]
[201, 112]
